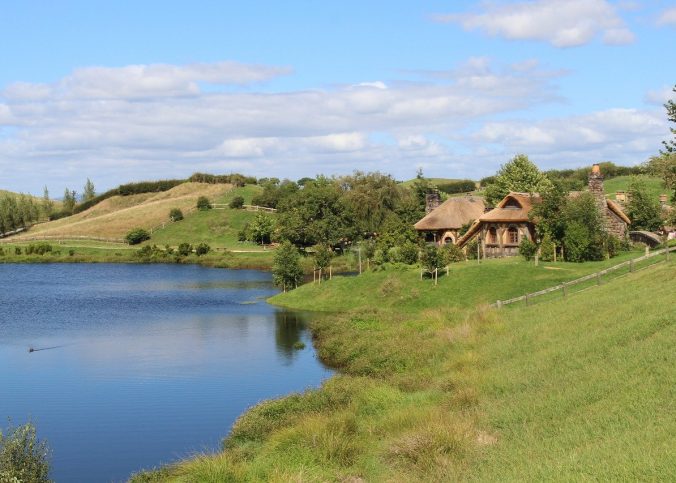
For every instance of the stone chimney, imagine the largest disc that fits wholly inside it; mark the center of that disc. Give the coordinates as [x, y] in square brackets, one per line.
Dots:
[432, 200]
[663, 199]
[596, 189]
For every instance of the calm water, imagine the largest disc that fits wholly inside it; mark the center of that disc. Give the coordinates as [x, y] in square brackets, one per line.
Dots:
[142, 364]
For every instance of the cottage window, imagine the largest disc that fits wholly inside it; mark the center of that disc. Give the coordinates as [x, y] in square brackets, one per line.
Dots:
[492, 236]
[513, 235]
[448, 240]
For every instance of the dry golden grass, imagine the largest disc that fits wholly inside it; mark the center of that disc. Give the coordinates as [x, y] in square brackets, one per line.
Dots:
[114, 217]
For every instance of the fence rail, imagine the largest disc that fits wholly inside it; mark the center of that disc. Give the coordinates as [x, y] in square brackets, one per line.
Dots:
[259, 208]
[592, 276]
[61, 238]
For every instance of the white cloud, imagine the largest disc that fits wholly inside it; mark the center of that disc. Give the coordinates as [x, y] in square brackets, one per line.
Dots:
[660, 96]
[375, 84]
[621, 135]
[667, 17]
[562, 23]
[153, 80]
[441, 122]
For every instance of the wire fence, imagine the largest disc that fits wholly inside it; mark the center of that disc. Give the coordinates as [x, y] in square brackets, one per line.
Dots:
[593, 279]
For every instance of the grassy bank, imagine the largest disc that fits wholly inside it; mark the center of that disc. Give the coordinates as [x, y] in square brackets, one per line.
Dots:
[580, 388]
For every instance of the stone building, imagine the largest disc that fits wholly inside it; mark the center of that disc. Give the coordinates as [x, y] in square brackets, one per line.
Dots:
[501, 230]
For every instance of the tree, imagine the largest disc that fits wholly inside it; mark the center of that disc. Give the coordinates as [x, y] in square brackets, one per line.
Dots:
[431, 258]
[323, 256]
[520, 175]
[237, 202]
[22, 456]
[371, 197]
[136, 236]
[643, 210]
[203, 203]
[670, 106]
[89, 191]
[584, 237]
[69, 200]
[202, 249]
[47, 204]
[664, 166]
[286, 270]
[261, 228]
[548, 215]
[175, 214]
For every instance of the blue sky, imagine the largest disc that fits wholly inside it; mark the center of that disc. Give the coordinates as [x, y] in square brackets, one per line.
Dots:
[121, 91]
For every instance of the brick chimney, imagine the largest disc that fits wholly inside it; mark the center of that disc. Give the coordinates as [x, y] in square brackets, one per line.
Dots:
[432, 200]
[596, 189]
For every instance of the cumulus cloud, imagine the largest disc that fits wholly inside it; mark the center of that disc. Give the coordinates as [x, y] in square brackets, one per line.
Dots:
[156, 80]
[562, 23]
[667, 17]
[114, 131]
[624, 135]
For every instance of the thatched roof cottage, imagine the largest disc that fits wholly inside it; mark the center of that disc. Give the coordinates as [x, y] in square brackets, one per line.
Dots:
[443, 222]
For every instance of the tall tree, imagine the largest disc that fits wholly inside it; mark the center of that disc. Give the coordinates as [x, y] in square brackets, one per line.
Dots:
[643, 210]
[371, 197]
[670, 106]
[664, 166]
[69, 198]
[286, 270]
[89, 191]
[47, 204]
[521, 175]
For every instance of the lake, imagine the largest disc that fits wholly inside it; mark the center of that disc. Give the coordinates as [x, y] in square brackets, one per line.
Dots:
[139, 365]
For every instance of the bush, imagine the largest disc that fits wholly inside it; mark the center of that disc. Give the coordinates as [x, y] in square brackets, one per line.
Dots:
[451, 253]
[71, 252]
[184, 249]
[203, 203]
[202, 249]
[2, 252]
[547, 247]
[471, 249]
[22, 456]
[409, 253]
[17, 250]
[430, 258]
[527, 249]
[175, 214]
[237, 202]
[39, 248]
[136, 236]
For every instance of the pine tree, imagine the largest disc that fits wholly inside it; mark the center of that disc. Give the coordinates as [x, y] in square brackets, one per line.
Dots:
[670, 106]
[47, 204]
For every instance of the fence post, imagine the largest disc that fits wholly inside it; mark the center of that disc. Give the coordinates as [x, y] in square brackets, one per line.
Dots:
[598, 278]
[498, 304]
[527, 299]
[631, 265]
[563, 287]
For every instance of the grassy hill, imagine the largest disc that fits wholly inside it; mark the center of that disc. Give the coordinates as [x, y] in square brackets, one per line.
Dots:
[621, 183]
[115, 216]
[580, 388]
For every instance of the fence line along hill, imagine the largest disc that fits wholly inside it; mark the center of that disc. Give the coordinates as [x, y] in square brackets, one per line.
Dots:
[115, 216]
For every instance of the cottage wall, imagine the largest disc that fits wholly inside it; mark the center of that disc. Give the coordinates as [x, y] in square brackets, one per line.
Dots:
[614, 224]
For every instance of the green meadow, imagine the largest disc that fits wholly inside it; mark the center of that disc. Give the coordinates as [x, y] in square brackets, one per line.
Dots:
[436, 386]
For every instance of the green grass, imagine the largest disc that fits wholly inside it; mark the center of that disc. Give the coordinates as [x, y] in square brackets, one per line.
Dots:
[621, 183]
[580, 388]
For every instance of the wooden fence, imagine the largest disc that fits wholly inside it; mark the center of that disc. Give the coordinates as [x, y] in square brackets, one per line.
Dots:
[61, 239]
[259, 208]
[593, 276]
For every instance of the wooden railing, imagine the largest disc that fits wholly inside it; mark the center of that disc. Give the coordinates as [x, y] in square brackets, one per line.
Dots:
[61, 238]
[259, 208]
[592, 276]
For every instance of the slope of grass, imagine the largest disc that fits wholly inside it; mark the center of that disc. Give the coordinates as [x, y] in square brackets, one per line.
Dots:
[114, 217]
[621, 183]
[578, 389]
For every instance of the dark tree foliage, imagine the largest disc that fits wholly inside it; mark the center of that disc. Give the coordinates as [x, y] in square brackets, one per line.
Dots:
[274, 192]
[459, 186]
[431, 257]
[520, 174]
[136, 236]
[643, 210]
[548, 215]
[371, 197]
[175, 214]
[17, 211]
[237, 202]
[316, 214]
[322, 256]
[203, 203]
[234, 178]
[584, 237]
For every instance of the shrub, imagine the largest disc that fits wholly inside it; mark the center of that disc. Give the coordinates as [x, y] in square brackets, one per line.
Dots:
[527, 249]
[547, 247]
[22, 456]
[175, 214]
[430, 258]
[38, 248]
[2, 252]
[471, 249]
[71, 252]
[202, 249]
[203, 203]
[409, 253]
[459, 186]
[17, 250]
[286, 269]
[136, 236]
[451, 253]
[184, 249]
[237, 202]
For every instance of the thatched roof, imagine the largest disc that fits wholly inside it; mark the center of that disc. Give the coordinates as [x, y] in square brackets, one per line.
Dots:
[452, 213]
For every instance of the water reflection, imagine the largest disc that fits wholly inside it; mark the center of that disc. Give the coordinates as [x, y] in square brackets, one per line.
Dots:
[289, 329]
